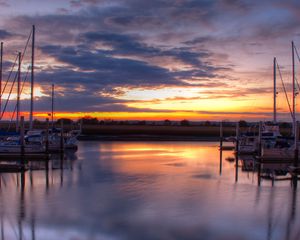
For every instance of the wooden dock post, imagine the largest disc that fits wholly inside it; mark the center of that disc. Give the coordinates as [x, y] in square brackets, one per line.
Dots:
[236, 167]
[296, 144]
[237, 130]
[61, 135]
[221, 145]
[47, 137]
[61, 144]
[22, 142]
[237, 152]
[259, 151]
[296, 156]
[47, 154]
[80, 126]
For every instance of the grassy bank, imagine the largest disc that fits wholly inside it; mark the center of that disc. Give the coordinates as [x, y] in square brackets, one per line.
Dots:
[152, 132]
[196, 131]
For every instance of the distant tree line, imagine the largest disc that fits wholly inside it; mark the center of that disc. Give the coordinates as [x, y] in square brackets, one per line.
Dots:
[87, 120]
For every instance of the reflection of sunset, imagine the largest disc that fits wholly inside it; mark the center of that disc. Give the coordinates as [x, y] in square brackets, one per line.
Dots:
[161, 156]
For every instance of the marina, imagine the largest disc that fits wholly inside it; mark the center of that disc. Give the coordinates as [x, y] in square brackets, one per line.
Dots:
[146, 184]
[152, 120]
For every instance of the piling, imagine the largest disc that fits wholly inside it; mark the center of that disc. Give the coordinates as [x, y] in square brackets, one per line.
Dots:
[61, 136]
[260, 153]
[237, 137]
[296, 144]
[22, 142]
[259, 174]
[47, 154]
[61, 144]
[259, 150]
[236, 167]
[80, 126]
[47, 174]
[237, 151]
[296, 156]
[47, 137]
[221, 145]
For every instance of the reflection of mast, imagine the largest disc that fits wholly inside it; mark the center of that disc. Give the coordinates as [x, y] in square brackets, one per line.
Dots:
[2, 223]
[236, 167]
[47, 174]
[32, 226]
[61, 157]
[292, 214]
[32, 210]
[31, 178]
[2, 227]
[61, 175]
[22, 205]
[257, 197]
[270, 214]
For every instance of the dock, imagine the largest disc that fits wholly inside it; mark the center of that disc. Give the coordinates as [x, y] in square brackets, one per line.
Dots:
[281, 155]
[27, 156]
[12, 168]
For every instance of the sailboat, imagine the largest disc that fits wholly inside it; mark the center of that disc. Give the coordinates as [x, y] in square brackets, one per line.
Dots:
[286, 154]
[54, 135]
[35, 139]
[12, 144]
[248, 142]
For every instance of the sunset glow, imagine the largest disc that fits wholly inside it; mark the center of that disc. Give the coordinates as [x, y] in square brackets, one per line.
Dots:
[209, 60]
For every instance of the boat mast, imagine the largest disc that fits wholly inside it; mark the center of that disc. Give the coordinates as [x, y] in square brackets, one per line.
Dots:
[275, 92]
[52, 106]
[18, 92]
[32, 79]
[294, 92]
[1, 72]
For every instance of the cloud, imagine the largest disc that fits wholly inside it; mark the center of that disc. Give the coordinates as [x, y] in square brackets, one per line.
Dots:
[105, 70]
[96, 46]
[63, 11]
[76, 3]
[102, 68]
[4, 3]
[237, 5]
[129, 45]
[5, 34]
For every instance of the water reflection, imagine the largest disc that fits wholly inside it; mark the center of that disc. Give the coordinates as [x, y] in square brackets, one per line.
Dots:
[145, 191]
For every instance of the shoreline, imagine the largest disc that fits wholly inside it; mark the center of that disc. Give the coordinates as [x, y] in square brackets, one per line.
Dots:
[156, 138]
[156, 133]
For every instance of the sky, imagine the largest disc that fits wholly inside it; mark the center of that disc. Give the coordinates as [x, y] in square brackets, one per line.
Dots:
[153, 60]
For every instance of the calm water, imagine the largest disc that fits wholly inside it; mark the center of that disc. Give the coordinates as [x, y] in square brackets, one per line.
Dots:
[149, 190]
